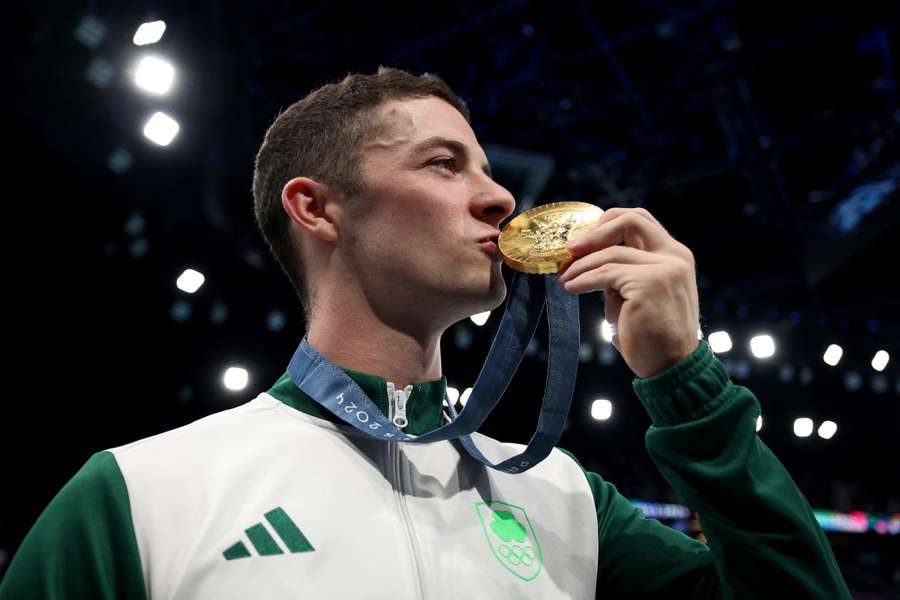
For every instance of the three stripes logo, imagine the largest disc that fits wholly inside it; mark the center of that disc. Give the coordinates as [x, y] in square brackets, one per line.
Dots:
[265, 544]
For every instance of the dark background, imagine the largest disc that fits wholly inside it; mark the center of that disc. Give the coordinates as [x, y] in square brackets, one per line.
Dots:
[759, 135]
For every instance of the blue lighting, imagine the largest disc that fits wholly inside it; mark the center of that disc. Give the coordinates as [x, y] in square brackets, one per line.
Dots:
[462, 337]
[276, 320]
[181, 311]
[863, 200]
[853, 381]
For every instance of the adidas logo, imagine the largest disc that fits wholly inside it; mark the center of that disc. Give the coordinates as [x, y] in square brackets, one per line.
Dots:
[265, 544]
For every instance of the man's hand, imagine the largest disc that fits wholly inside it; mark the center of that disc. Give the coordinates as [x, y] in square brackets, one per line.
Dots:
[649, 285]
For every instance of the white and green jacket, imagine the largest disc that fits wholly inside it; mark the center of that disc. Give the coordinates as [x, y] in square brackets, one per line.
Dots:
[274, 499]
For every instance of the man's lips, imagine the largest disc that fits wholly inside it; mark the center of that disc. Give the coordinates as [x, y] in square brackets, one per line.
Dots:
[491, 236]
[490, 248]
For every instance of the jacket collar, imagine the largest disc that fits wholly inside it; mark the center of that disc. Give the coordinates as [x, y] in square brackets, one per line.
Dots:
[424, 408]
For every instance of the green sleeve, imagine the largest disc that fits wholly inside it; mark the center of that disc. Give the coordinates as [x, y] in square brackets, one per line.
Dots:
[642, 558]
[83, 544]
[761, 530]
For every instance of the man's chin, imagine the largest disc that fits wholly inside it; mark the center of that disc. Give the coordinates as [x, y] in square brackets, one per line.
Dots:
[497, 293]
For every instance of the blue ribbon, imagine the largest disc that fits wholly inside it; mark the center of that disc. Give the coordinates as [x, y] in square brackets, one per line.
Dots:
[327, 384]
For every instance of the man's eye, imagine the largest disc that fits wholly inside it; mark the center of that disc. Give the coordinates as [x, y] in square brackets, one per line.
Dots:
[444, 163]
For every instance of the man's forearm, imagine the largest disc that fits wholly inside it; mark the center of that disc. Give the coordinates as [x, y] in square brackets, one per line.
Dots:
[760, 528]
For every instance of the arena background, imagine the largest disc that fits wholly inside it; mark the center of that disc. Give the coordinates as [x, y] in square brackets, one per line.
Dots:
[763, 137]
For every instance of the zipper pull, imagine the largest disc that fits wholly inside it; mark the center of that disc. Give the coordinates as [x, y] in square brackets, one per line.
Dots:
[397, 404]
[400, 398]
[400, 412]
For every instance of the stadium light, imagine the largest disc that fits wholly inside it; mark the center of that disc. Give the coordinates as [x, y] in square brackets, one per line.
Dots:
[762, 346]
[161, 129]
[759, 422]
[827, 430]
[833, 355]
[601, 409]
[452, 394]
[481, 318]
[190, 281]
[464, 397]
[803, 427]
[880, 360]
[606, 331]
[719, 341]
[154, 75]
[149, 33]
[235, 378]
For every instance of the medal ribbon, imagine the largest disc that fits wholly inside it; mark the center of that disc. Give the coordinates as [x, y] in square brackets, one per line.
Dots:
[328, 385]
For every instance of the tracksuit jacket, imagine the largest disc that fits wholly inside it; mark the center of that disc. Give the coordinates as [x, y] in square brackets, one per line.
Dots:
[277, 499]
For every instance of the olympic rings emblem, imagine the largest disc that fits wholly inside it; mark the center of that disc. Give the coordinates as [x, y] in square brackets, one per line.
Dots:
[518, 555]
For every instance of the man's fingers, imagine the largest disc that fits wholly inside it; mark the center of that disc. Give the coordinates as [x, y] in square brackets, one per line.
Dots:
[613, 254]
[607, 276]
[616, 211]
[635, 229]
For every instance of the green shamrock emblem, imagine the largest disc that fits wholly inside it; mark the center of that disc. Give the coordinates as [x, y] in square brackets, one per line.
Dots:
[507, 527]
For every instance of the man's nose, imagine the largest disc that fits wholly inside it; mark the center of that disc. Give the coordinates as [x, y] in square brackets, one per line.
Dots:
[494, 204]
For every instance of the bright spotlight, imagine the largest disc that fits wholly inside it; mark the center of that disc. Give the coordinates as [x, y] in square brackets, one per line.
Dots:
[161, 129]
[452, 394]
[235, 378]
[827, 430]
[880, 360]
[762, 346]
[149, 33]
[481, 318]
[833, 355]
[607, 330]
[719, 341]
[190, 281]
[464, 397]
[154, 75]
[759, 422]
[601, 409]
[803, 427]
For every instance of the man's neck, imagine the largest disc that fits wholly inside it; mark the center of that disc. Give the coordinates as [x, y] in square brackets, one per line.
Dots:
[371, 346]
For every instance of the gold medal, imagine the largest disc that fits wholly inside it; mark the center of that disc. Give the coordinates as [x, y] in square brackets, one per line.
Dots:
[535, 241]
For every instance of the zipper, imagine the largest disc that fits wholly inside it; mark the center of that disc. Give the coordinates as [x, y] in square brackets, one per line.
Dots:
[397, 400]
[396, 476]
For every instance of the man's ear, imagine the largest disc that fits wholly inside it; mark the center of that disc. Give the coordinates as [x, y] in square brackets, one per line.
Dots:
[311, 206]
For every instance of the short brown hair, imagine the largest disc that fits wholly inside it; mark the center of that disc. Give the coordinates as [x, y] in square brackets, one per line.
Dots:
[320, 137]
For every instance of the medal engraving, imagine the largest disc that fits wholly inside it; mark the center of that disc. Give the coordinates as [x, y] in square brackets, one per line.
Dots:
[535, 241]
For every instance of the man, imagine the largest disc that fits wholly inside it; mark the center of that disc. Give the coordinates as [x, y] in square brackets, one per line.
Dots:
[377, 200]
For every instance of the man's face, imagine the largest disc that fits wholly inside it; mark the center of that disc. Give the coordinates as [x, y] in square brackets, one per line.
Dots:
[416, 235]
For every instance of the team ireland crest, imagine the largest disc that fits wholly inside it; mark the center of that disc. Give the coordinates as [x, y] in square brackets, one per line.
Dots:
[511, 537]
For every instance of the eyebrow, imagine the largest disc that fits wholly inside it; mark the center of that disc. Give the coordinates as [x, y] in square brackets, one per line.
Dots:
[457, 147]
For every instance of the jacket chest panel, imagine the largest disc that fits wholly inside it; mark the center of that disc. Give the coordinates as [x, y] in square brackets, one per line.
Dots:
[314, 513]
